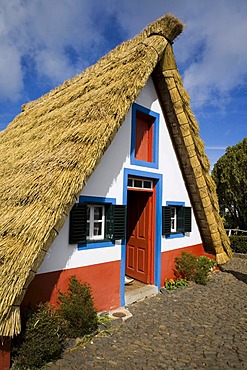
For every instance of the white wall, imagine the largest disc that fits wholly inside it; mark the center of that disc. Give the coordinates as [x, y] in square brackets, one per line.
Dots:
[107, 181]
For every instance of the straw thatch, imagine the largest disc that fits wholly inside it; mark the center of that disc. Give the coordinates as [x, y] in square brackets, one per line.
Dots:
[49, 151]
[193, 161]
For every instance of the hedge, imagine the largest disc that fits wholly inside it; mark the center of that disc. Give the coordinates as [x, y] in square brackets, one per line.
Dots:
[239, 243]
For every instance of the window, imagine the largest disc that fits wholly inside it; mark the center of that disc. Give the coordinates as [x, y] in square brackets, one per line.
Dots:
[140, 183]
[96, 222]
[144, 137]
[173, 219]
[176, 219]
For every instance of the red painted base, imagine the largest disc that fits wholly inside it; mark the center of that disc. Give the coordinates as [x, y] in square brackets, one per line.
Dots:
[5, 353]
[168, 260]
[104, 279]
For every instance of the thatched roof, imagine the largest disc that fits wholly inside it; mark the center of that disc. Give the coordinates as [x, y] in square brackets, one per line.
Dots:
[49, 151]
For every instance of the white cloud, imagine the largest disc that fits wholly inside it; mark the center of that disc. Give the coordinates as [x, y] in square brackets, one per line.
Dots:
[54, 65]
[210, 52]
[221, 65]
[41, 31]
[11, 82]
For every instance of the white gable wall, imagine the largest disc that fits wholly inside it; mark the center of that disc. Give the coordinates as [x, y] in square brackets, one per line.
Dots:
[107, 181]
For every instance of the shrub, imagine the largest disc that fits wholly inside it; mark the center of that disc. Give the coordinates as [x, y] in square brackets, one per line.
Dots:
[16, 342]
[42, 341]
[239, 243]
[203, 266]
[77, 309]
[193, 268]
[186, 266]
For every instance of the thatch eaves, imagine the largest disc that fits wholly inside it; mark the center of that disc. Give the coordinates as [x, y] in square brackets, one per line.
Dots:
[50, 150]
[194, 164]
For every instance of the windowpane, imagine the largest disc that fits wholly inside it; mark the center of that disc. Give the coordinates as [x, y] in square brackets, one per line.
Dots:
[173, 212]
[98, 211]
[88, 213]
[138, 183]
[130, 183]
[173, 219]
[97, 230]
[147, 184]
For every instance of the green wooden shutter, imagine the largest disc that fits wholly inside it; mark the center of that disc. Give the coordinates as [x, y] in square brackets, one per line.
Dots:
[187, 219]
[166, 220]
[116, 222]
[78, 224]
[119, 222]
[109, 222]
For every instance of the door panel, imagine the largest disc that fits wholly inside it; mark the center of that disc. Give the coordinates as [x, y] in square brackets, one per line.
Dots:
[141, 261]
[139, 235]
[131, 258]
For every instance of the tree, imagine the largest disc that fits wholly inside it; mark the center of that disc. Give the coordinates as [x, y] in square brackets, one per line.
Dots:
[229, 174]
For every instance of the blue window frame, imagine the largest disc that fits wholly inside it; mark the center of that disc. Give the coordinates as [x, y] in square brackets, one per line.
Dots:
[155, 136]
[93, 202]
[96, 222]
[176, 219]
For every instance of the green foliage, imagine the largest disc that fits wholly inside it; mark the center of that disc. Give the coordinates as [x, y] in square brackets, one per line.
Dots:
[203, 266]
[17, 341]
[44, 331]
[229, 174]
[171, 284]
[77, 309]
[42, 341]
[193, 268]
[239, 243]
[185, 266]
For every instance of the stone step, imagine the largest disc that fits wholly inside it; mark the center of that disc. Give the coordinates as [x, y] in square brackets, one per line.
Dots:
[140, 292]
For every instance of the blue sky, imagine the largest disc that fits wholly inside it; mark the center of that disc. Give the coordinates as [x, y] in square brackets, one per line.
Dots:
[43, 43]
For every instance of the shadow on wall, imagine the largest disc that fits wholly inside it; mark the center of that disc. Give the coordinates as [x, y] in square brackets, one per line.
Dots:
[41, 289]
[111, 163]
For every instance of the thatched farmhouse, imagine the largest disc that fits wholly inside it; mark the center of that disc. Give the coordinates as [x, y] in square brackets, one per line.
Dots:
[103, 177]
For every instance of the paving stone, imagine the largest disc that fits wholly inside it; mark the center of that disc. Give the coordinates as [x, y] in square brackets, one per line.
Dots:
[197, 327]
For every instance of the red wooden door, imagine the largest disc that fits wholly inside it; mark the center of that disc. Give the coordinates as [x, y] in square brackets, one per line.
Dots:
[139, 236]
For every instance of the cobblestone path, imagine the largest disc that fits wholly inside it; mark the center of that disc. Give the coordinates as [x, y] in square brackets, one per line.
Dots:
[197, 327]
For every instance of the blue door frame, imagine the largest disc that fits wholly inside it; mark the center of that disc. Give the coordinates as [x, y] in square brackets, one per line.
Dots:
[157, 233]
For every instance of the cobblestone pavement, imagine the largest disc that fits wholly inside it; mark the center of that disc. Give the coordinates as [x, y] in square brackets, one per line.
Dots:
[197, 327]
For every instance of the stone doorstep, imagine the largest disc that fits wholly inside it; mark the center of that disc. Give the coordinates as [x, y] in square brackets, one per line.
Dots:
[133, 296]
[140, 293]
